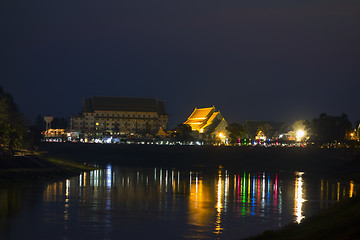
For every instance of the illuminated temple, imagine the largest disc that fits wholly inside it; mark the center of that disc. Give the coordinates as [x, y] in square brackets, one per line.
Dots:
[209, 122]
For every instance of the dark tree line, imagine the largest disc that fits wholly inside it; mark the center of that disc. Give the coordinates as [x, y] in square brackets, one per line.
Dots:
[12, 125]
[15, 131]
[182, 133]
[327, 129]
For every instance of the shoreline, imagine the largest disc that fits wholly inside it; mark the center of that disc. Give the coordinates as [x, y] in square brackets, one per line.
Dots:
[38, 167]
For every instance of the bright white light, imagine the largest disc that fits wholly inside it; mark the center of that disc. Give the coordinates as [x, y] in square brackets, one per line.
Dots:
[299, 134]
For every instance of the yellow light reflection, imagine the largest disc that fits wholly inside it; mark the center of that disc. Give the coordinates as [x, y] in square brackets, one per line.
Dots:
[67, 189]
[218, 227]
[299, 200]
[218, 204]
[199, 214]
[351, 192]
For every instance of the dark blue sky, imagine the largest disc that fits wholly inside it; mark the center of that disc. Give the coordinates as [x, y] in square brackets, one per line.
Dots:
[252, 60]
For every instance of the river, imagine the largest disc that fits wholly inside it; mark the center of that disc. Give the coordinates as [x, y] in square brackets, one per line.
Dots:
[159, 203]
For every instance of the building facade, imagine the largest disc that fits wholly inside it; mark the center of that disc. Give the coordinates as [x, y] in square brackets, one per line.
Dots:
[120, 116]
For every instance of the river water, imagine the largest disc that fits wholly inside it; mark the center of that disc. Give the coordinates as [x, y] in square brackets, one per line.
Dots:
[158, 203]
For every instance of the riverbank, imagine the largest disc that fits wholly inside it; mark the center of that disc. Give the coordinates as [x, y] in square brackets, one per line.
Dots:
[38, 167]
[339, 222]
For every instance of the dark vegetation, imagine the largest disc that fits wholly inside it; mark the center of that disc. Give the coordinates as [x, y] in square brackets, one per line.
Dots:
[12, 125]
[329, 129]
[326, 130]
[16, 133]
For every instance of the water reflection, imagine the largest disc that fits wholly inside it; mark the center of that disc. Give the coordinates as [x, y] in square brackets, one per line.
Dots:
[299, 200]
[328, 191]
[227, 204]
[219, 206]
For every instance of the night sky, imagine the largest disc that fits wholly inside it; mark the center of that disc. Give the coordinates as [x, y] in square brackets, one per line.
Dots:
[253, 60]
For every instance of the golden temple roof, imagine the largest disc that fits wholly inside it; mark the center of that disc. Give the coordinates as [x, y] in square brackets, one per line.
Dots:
[201, 113]
[202, 118]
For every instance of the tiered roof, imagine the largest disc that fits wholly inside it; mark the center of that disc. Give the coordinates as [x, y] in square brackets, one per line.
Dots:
[204, 119]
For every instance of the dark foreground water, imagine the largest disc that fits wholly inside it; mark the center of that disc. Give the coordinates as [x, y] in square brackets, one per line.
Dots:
[154, 203]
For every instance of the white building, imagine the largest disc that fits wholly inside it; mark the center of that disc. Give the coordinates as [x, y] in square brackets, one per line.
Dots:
[120, 115]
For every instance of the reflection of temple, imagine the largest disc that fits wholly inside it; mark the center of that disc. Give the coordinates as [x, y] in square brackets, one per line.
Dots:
[199, 212]
[209, 122]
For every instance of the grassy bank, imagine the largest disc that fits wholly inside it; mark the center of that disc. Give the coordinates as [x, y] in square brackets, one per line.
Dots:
[340, 222]
[32, 167]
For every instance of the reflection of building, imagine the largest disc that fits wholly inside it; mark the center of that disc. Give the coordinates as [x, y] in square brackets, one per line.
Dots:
[208, 121]
[121, 115]
[199, 214]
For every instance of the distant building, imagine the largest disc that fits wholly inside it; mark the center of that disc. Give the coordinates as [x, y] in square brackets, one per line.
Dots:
[208, 122]
[120, 115]
[55, 135]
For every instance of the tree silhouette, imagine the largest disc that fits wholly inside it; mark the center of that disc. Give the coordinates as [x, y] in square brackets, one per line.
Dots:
[183, 133]
[329, 129]
[236, 131]
[267, 129]
[12, 124]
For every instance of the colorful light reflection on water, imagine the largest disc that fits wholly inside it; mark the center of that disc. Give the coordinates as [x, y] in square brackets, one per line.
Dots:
[117, 201]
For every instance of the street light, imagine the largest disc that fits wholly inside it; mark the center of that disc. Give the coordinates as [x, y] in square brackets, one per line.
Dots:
[299, 134]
